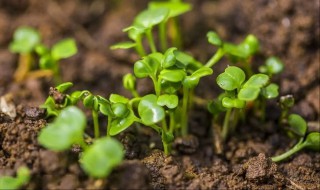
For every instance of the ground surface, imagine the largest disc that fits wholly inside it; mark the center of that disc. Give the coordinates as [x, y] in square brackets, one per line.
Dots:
[288, 29]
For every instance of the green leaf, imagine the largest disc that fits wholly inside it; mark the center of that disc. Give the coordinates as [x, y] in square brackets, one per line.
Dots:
[249, 93]
[135, 32]
[297, 124]
[175, 8]
[116, 98]
[250, 45]
[151, 17]
[170, 87]
[149, 111]
[147, 66]
[193, 80]
[273, 66]
[231, 79]
[129, 81]
[169, 58]
[105, 108]
[185, 61]
[64, 86]
[234, 50]
[101, 157]
[257, 80]
[123, 45]
[169, 100]
[64, 49]
[233, 103]
[172, 75]
[25, 40]
[46, 62]
[89, 101]
[120, 110]
[214, 39]
[270, 91]
[286, 101]
[120, 124]
[8, 182]
[41, 49]
[167, 137]
[313, 141]
[66, 129]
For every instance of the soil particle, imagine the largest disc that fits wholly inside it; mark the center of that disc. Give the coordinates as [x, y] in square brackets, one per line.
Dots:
[57, 96]
[130, 174]
[34, 113]
[259, 168]
[188, 144]
[69, 181]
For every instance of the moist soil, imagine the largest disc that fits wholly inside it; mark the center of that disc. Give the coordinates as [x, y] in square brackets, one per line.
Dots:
[288, 29]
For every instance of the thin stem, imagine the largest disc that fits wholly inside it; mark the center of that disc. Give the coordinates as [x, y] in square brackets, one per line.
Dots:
[139, 47]
[215, 58]
[156, 84]
[166, 148]
[151, 41]
[164, 125]
[175, 33]
[172, 121]
[95, 124]
[162, 36]
[225, 127]
[184, 116]
[287, 154]
[108, 126]
[24, 66]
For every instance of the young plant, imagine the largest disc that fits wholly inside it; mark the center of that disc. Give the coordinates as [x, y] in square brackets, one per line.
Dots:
[242, 52]
[8, 182]
[49, 58]
[25, 39]
[157, 14]
[298, 128]
[97, 159]
[237, 93]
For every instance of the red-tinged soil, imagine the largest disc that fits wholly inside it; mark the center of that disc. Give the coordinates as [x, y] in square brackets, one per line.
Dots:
[288, 29]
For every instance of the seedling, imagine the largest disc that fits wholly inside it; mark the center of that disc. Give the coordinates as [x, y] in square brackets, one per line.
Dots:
[8, 182]
[49, 58]
[298, 126]
[157, 14]
[97, 159]
[26, 41]
[238, 91]
[242, 52]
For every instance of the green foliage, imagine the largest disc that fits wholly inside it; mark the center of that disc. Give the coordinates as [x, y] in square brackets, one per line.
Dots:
[101, 157]
[297, 124]
[68, 127]
[25, 40]
[149, 111]
[8, 182]
[272, 66]
[64, 49]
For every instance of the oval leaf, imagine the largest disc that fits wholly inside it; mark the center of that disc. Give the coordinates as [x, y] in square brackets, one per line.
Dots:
[66, 129]
[249, 93]
[25, 40]
[172, 75]
[120, 124]
[147, 66]
[313, 141]
[175, 8]
[257, 80]
[214, 38]
[297, 124]
[149, 111]
[270, 91]
[64, 49]
[151, 17]
[102, 156]
[123, 45]
[231, 79]
[232, 103]
[169, 100]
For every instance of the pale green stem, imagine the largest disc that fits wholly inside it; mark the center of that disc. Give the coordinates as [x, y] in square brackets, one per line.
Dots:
[184, 113]
[151, 41]
[290, 152]
[95, 124]
[215, 58]
[225, 127]
[108, 126]
[139, 47]
[172, 121]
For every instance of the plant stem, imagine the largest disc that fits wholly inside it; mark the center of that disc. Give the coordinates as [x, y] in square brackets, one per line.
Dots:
[24, 66]
[287, 154]
[172, 121]
[225, 127]
[175, 33]
[162, 36]
[166, 148]
[108, 126]
[95, 124]
[215, 58]
[139, 47]
[184, 112]
[151, 41]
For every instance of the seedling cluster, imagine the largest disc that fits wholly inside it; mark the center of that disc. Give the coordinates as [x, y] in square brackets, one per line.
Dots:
[174, 75]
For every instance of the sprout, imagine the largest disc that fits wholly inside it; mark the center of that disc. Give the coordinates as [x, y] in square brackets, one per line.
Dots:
[8, 182]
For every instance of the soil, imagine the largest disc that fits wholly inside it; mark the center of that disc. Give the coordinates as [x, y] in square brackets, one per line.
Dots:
[288, 29]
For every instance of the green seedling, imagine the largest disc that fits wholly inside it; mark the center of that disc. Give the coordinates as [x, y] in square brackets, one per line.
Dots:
[157, 14]
[8, 182]
[25, 39]
[49, 58]
[242, 52]
[97, 159]
[272, 66]
[26, 42]
[298, 127]
[286, 103]
[237, 93]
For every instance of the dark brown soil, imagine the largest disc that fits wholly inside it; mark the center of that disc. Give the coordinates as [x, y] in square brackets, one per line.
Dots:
[288, 29]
